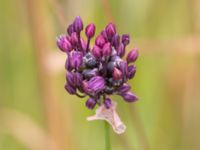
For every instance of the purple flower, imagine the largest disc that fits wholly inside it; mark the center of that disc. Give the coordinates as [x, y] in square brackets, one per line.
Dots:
[90, 103]
[78, 24]
[76, 59]
[100, 41]
[129, 97]
[110, 30]
[90, 30]
[132, 55]
[107, 103]
[63, 44]
[98, 70]
[125, 39]
[96, 84]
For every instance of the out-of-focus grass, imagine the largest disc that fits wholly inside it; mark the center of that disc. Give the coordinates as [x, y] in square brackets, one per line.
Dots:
[165, 109]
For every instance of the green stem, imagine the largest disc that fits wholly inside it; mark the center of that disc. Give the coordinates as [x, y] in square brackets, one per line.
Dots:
[107, 137]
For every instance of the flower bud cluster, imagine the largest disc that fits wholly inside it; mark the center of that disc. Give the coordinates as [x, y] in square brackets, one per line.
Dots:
[97, 71]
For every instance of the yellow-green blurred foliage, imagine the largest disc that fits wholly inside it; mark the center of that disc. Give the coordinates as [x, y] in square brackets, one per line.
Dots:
[37, 114]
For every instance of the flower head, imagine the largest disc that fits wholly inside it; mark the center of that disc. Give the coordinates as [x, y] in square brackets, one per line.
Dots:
[98, 71]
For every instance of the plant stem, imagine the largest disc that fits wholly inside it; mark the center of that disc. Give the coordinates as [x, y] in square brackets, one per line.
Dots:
[107, 137]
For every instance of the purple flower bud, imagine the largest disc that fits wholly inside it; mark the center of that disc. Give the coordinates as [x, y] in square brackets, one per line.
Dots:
[90, 103]
[96, 84]
[132, 55]
[90, 30]
[90, 60]
[107, 103]
[67, 65]
[106, 51]
[100, 41]
[124, 88]
[78, 24]
[70, 77]
[131, 71]
[74, 39]
[121, 50]
[116, 40]
[129, 97]
[63, 44]
[70, 29]
[117, 74]
[76, 59]
[96, 51]
[70, 89]
[104, 34]
[124, 68]
[125, 39]
[110, 30]
[78, 79]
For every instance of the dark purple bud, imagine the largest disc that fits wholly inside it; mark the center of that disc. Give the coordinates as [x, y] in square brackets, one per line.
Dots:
[96, 51]
[78, 24]
[132, 55]
[117, 74]
[70, 29]
[70, 77]
[125, 39]
[116, 40]
[90, 60]
[100, 41]
[121, 50]
[76, 59]
[64, 44]
[90, 103]
[106, 51]
[90, 30]
[124, 88]
[67, 65]
[89, 73]
[96, 84]
[107, 103]
[129, 97]
[74, 39]
[131, 71]
[110, 30]
[78, 79]
[124, 68]
[70, 89]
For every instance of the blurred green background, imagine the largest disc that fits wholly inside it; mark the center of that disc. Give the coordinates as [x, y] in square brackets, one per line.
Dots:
[37, 114]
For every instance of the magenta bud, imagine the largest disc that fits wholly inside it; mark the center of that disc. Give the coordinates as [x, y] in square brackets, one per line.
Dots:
[131, 71]
[70, 29]
[129, 97]
[106, 51]
[110, 30]
[121, 50]
[107, 103]
[100, 41]
[70, 89]
[74, 39]
[90, 30]
[132, 55]
[64, 44]
[116, 40]
[117, 74]
[124, 88]
[78, 24]
[125, 39]
[96, 51]
[90, 103]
